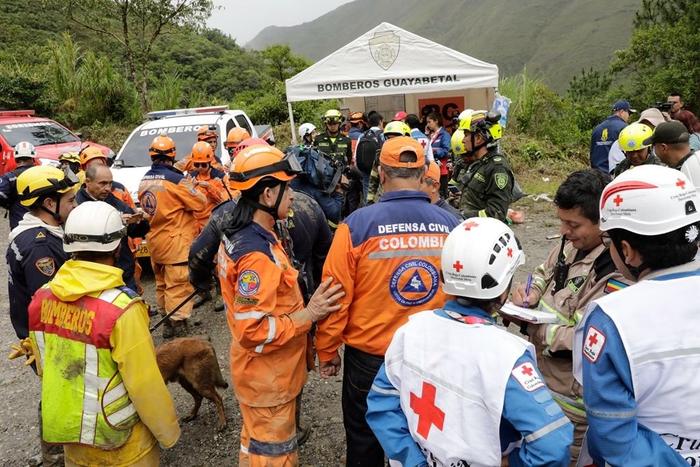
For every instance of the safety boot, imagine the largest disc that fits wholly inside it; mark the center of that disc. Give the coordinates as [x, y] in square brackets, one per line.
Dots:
[201, 299]
[219, 303]
[180, 328]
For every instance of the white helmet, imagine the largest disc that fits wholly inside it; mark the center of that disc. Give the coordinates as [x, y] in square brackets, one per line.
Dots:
[93, 226]
[649, 200]
[306, 129]
[25, 149]
[479, 258]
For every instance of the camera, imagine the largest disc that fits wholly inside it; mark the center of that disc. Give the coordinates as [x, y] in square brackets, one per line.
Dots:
[664, 106]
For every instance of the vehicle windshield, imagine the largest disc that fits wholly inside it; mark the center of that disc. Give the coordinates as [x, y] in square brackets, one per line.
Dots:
[37, 133]
[135, 152]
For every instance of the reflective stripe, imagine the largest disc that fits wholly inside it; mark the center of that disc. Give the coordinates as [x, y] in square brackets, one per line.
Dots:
[551, 331]
[110, 295]
[39, 336]
[544, 306]
[482, 213]
[653, 356]
[244, 450]
[544, 431]
[574, 405]
[122, 414]
[249, 315]
[611, 415]
[387, 392]
[401, 253]
[18, 255]
[90, 405]
[113, 394]
[268, 449]
[271, 331]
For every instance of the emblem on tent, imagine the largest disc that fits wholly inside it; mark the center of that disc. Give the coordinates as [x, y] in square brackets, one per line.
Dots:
[384, 47]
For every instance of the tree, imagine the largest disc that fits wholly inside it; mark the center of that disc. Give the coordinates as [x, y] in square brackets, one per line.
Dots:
[135, 26]
[281, 63]
[664, 52]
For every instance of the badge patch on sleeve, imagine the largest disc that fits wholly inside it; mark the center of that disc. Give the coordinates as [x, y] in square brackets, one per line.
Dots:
[501, 180]
[614, 285]
[528, 377]
[593, 346]
[248, 282]
[46, 266]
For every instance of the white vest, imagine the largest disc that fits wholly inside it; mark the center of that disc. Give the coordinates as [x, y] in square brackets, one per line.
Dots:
[452, 378]
[691, 169]
[659, 324]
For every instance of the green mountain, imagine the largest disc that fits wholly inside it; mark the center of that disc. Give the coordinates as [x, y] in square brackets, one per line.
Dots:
[554, 39]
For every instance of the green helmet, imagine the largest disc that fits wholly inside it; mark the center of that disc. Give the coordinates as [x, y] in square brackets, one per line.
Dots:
[333, 116]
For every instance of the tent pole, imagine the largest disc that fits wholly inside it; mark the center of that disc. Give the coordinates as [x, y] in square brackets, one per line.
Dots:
[291, 123]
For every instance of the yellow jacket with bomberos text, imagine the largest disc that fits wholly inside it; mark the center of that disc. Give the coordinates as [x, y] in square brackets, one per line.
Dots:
[103, 396]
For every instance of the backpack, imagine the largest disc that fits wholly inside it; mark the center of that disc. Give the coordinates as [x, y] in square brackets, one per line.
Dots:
[318, 169]
[368, 147]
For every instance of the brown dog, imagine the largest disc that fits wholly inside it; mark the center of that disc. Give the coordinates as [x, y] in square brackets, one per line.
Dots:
[192, 362]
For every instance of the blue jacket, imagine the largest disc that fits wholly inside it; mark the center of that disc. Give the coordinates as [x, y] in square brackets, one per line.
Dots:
[355, 133]
[614, 435]
[33, 257]
[9, 198]
[604, 135]
[525, 415]
[441, 145]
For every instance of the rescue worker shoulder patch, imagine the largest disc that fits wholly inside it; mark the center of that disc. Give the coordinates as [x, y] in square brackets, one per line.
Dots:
[248, 283]
[46, 266]
[527, 376]
[593, 345]
[501, 180]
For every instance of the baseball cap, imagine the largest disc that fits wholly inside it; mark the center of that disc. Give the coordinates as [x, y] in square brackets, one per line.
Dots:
[393, 148]
[356, 117]
[623, 105]
[669, 133]
[400, 115]
[433, 171]
[653, 116]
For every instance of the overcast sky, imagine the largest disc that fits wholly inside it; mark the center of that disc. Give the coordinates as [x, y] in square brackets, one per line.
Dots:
[242, 20]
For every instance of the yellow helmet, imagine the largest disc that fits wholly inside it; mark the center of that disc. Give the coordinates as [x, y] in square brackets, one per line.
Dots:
[632, 137]
[468, 122]
[333, 115]
[69, 157]
[42, 180]
[457, 143]
[397, 128]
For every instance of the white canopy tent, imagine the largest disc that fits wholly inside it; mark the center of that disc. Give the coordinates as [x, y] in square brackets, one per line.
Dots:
[390, 61]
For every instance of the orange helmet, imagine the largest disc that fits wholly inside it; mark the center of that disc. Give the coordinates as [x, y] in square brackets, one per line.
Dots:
[162, 145]
[207, 133]
[89, 153]
[249, 142]
[235, 136]
[259, 161]
[202, 152]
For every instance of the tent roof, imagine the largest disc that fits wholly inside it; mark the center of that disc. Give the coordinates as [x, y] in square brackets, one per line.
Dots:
[390, 60]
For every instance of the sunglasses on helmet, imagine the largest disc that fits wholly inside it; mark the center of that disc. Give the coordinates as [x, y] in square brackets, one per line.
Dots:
[105, 238]
[289, 165]
[69, 180]
[200, 165]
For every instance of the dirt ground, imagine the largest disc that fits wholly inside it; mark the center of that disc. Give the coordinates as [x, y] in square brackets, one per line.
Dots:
[200, 444]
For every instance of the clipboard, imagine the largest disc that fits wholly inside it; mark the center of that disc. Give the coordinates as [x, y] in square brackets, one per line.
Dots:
[528, 314]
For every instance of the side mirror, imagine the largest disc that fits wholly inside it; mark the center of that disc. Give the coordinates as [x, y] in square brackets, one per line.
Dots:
[118, 163]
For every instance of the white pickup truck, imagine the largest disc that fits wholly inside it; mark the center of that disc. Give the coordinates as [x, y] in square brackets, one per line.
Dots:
[132, 161]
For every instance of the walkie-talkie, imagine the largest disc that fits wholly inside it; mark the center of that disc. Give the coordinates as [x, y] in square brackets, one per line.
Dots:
[561, 269]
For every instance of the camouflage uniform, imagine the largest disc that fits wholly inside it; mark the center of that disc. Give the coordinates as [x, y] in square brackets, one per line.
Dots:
[625, 164]
[338, 148]
[487, 187]
[590, 275]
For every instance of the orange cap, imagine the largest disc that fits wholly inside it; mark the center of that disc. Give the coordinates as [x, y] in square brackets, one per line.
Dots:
[202, 152]
[393, 148]
[433, 172]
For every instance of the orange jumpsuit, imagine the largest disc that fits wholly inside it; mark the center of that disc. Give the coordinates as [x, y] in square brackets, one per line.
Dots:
[170, 199]
[215, 191]
[268, 349]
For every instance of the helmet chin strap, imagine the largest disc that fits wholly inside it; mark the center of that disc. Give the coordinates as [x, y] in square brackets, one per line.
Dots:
[634, 270]
[274, 210]
[55, 214]
[475, 147]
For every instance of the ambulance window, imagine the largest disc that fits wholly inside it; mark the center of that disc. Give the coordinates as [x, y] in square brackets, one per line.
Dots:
[243, 123]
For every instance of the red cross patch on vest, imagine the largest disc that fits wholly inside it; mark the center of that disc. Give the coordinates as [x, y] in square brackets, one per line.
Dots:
[527, 376]
[593, 345]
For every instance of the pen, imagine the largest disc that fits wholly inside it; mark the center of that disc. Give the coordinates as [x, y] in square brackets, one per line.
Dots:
[528, 286]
